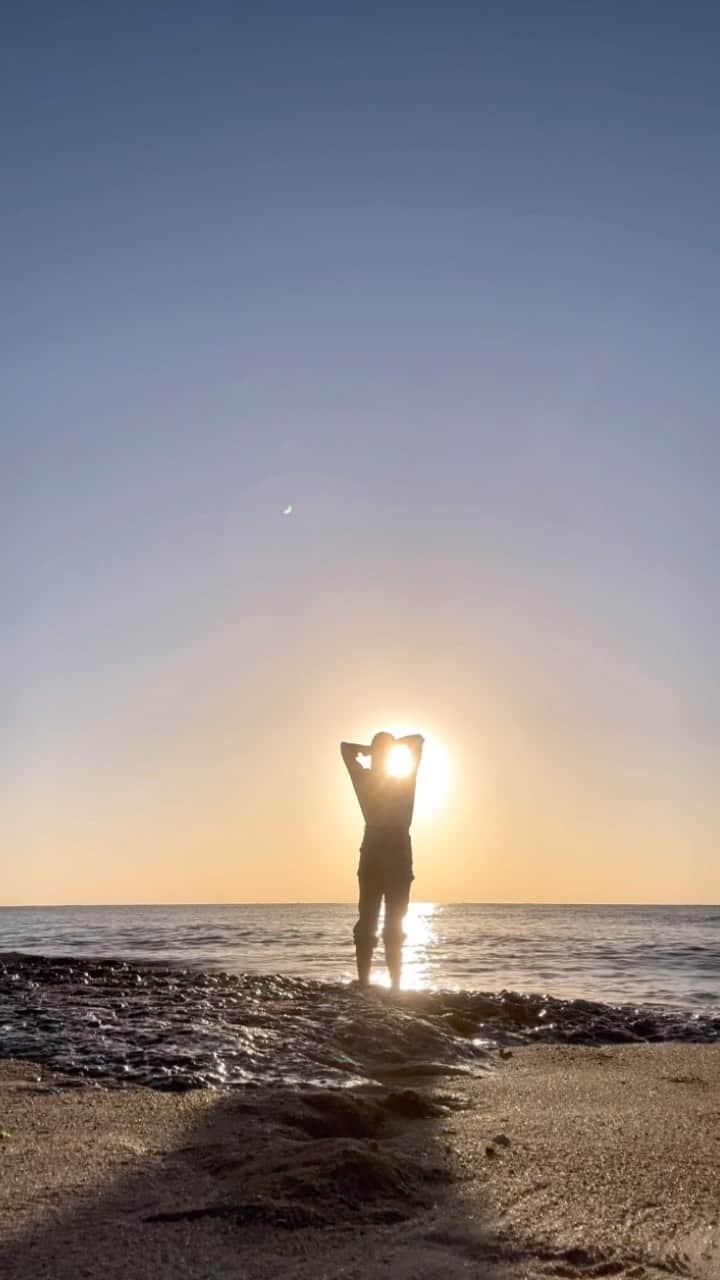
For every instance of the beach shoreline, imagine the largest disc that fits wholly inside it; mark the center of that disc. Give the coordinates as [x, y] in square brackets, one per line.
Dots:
[563, 1161]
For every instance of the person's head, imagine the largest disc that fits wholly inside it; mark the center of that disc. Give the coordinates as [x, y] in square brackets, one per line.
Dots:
[380, 748]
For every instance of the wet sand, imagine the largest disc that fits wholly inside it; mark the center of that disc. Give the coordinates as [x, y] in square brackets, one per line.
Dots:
[564, 1162]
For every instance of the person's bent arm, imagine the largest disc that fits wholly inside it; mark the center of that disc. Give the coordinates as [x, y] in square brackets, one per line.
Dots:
[350, 752]
[414, 743]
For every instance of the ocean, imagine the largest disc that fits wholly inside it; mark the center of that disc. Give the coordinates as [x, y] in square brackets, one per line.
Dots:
[183, 996]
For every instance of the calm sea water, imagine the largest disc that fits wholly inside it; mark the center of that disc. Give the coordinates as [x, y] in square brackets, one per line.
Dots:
[663, 955]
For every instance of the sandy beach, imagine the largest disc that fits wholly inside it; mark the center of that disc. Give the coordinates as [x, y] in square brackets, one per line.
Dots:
[571, 1162]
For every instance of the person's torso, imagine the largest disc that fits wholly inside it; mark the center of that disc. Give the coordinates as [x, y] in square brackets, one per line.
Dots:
[386, 803]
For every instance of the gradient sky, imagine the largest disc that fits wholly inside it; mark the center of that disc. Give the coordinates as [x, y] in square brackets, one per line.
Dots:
[444, 276]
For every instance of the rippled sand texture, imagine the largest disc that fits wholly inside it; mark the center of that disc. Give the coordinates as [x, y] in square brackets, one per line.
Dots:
[565, 1162]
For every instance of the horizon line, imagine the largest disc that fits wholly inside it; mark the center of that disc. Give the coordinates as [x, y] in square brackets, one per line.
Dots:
[94, 906]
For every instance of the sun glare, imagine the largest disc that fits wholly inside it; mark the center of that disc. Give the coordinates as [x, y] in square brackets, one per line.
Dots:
[434, 776]
[433, 779]
[399, 762]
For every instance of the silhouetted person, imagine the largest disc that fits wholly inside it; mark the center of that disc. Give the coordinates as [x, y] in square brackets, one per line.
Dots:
[385, 866]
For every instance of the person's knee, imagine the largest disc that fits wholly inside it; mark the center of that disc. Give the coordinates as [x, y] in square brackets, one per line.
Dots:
[395, 912]
[364, 933]
[393, 932]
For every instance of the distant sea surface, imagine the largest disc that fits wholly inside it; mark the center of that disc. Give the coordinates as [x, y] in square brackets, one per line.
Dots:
[669, 955]
[179, 996]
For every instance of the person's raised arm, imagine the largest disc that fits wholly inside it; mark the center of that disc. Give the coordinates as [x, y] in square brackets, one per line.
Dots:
[414, 743]
[350, 752]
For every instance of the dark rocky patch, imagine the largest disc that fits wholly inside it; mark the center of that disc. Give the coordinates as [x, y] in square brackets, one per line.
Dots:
[175, 1029]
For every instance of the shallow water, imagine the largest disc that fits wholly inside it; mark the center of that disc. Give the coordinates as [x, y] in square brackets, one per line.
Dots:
[180, 1028]
[665, 955]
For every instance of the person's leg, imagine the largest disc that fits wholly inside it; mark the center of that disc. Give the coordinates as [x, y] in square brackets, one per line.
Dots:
[397, 897]
[365, 931]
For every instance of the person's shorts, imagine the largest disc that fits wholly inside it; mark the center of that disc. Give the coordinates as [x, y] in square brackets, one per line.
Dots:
[386, 859]
[385, 871]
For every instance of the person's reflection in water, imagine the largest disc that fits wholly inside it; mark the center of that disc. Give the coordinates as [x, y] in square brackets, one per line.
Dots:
[386, 794]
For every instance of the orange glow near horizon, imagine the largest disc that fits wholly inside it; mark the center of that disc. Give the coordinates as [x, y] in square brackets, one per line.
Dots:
[496, 819]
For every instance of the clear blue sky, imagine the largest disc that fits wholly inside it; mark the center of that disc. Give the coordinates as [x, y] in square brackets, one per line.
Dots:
[444, 276]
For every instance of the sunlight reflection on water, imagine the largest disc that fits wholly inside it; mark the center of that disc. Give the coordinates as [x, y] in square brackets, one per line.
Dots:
[419, 940]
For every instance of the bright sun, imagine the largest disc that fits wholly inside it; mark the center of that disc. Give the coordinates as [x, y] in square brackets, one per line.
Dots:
[399, 761]
[433, 777]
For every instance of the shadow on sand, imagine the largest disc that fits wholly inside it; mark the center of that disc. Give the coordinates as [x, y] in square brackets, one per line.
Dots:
[258, 1183]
